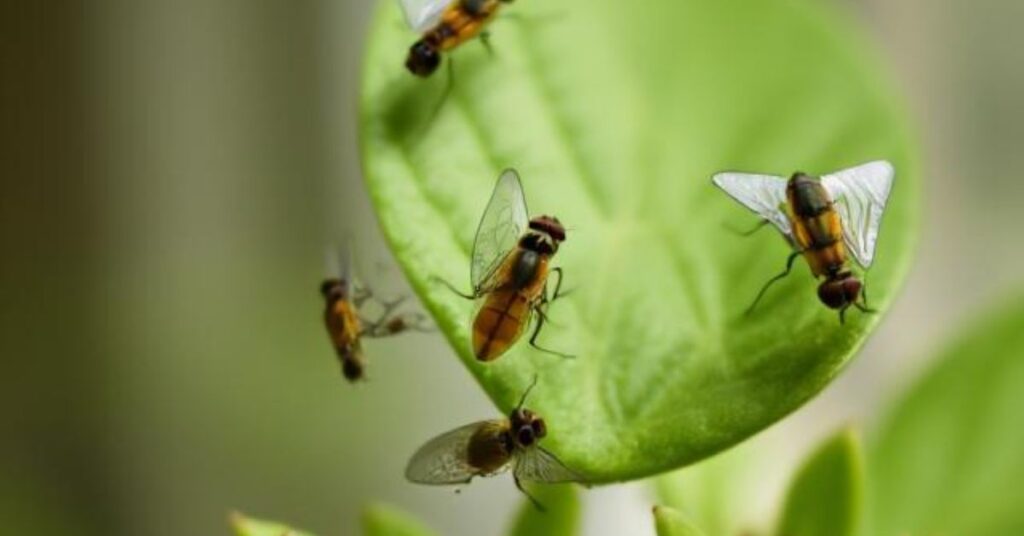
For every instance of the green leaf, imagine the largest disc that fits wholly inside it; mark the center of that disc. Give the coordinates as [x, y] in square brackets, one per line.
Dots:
[247, 526]
[384, 520]
[672, 522]
[617, 116]
[948, 460]
[826, 497]
[561, 515]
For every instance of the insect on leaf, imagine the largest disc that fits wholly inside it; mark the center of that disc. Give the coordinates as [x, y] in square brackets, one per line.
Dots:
[616, 118]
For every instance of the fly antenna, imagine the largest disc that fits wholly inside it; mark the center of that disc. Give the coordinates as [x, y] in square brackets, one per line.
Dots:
[522, 400]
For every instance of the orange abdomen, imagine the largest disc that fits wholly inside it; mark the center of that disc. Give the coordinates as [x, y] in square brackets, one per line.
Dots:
[500, 323]
[343, 326]
[821, 240]
[458, 25]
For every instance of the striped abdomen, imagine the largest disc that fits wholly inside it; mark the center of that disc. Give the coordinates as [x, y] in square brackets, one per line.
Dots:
[817, 229]
[462, 22]
[505, 311]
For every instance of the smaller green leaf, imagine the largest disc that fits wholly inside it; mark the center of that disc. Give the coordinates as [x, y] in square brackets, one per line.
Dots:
[384, 520]
[948, 458]
[247, 526]
[672, 522]
[827, 494]
[560, 517]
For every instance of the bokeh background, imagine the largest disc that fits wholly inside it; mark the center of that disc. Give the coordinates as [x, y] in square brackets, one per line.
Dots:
[172, 171]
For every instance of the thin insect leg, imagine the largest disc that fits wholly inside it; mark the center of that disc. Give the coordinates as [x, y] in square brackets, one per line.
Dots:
[378, 327]
[864, 308]
[485, 39]
[541, 318]
[360, 295]
[842, 315]
[453, 289]
[543, 18]
[533, 499]
[864, 292]
[558, 286]
[789, 268]
[748, 232]
[418, 322]
[449, 84]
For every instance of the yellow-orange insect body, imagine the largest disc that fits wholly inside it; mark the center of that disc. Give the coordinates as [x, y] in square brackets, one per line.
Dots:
[343, 326]
[445, 24]
[517, 288]
[510, 270]
[487, 448]
[824, 219]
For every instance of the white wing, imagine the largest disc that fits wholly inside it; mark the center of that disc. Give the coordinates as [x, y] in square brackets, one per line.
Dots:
[763, 194]
[442, 460]
[860, 194]
[538, 465]
[503, 222]
[423, 15]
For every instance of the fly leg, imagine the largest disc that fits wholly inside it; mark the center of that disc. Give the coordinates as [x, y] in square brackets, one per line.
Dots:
[558, 286]
[452, 288]
[449, 84]
[485, 39]
[541, 318]
[360, 295]
[533, 499]
[748, 232]
[789, 268]
[383, 325]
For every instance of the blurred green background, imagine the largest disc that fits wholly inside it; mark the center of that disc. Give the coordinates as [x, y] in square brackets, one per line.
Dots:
[172, 173]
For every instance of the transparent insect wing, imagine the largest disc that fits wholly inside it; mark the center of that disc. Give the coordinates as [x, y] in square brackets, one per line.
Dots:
[442, 460]
[860, 195]
[763, 194]
[423, 15]
[502, 224]
[538, 465]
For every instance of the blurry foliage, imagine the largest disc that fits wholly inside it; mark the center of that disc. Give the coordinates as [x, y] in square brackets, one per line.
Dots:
[668, 371]
[827, 495]
[948, 459]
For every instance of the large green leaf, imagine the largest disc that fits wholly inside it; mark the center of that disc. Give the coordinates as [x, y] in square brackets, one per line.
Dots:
[616, 115]
[949, 458]
[827, 494]
[560, 517]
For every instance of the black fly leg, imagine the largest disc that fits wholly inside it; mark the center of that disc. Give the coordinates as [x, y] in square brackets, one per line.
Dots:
[360, 295]
[452, 288]
[533, 499]
[558, 286]
[541, 318]
[748, 232]
[789, 268]
[449, 84]
[485, 39]
[379, 327]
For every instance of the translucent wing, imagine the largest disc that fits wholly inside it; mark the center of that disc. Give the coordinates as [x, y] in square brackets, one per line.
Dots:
[338, 261]
[442, 460]
[538, 465]
[503, 222]
[424, 14]
[860, 194]
[763, 194]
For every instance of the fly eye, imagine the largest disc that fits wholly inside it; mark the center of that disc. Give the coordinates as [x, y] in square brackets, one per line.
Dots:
[832, 294]
[525, 436]
[539, 428]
